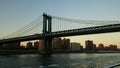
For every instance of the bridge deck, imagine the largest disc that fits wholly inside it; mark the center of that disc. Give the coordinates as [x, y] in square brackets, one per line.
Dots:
[81, 31]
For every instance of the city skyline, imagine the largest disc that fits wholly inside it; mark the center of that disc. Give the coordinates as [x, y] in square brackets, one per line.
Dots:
[14, 14]
[84, 45]
[107, 38]
[59, 44]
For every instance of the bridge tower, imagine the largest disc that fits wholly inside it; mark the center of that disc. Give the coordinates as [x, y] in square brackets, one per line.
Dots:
[46, 42]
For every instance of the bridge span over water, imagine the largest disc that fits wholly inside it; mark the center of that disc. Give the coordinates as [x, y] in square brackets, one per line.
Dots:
[50, 28]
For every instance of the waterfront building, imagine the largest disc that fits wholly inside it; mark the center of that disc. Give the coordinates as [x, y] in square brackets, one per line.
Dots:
[81, 47]
[15, 45]
[107, 48]
[75, 46]
[65, 44]
[101, 46]
[56, 44]
[22, 47]
[112, 47]
[36, 44]
[89, 45]
[94, 47]
[60, 44]
[29, 45]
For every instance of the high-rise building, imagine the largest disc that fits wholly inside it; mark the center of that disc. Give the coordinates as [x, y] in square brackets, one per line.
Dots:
[94, 47]
[22, 47]
[60, 44]
[65, 44]
[36, 44]
[89, 45]
[15, 45]
[56, 44]
[107, 48]
[29, 45]
[81, 47]
[75, 46]
[101, 46]
[113, 47]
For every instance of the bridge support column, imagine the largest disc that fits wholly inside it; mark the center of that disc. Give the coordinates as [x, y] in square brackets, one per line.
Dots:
[46, 42]
[45, 46]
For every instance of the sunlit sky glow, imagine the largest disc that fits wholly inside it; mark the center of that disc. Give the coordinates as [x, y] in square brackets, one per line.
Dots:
[16, 13]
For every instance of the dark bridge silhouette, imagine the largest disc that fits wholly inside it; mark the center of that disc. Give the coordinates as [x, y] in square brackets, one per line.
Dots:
[47, 35]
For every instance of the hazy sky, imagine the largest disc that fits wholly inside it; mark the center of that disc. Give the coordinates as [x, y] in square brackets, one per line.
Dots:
[16, 13]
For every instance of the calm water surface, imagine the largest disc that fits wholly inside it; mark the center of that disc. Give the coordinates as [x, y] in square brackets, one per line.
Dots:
[73, 60]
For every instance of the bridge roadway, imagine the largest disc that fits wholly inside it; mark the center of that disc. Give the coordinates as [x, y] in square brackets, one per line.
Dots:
[81, 31]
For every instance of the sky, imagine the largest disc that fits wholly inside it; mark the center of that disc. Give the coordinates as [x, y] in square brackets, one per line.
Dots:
[15, 14]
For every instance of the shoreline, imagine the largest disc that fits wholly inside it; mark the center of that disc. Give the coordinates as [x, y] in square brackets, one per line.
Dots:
[10, 52]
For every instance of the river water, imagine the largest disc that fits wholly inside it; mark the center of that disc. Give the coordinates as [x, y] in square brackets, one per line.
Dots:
[72, 60]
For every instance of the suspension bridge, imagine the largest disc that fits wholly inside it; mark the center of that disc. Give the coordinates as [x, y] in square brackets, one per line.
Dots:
[46, 27]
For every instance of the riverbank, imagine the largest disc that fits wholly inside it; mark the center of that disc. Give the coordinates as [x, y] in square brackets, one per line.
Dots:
[7, 52]
[69, 51]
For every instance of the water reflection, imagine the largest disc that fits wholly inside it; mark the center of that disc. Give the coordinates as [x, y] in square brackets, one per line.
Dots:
[54, 61]
[78, 60]
[44, 58]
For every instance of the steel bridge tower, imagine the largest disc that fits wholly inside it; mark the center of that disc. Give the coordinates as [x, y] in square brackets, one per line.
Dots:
[46, 42]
